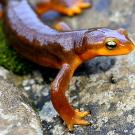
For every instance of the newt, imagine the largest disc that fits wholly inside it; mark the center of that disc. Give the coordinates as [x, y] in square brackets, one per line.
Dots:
[64, 50]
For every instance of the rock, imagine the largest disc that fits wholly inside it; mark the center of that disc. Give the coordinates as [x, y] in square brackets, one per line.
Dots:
[16, 116]
[3, 73]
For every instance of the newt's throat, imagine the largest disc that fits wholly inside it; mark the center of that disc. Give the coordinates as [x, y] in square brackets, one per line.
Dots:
[88, 55]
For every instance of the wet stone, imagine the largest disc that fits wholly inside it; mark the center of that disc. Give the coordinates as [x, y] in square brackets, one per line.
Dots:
[16, 115]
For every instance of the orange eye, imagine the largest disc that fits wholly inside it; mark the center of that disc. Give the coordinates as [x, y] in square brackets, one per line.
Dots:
[111, 45]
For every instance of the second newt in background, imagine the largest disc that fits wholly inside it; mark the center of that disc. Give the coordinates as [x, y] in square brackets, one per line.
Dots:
[62, 50]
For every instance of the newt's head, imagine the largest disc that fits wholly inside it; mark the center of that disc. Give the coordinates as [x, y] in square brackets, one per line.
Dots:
[106, 42]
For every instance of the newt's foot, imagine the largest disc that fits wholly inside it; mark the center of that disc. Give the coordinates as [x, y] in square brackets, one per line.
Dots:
[75, 8]
[67, 8]
[77, 119]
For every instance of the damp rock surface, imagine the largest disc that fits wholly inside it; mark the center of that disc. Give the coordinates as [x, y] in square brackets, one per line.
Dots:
[16, 116]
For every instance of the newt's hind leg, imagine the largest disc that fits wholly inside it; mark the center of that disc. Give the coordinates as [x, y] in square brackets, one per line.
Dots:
[58, 88]
[67, 7]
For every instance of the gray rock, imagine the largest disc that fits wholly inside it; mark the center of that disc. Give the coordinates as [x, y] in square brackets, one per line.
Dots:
[16, 115]
[3, 73]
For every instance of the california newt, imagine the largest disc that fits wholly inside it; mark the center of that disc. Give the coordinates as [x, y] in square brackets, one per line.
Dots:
[64, 50]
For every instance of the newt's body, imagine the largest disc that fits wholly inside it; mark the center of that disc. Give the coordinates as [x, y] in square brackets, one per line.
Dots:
[63, 50]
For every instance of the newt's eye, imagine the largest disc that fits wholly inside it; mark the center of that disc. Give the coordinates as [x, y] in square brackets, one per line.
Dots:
[111, 45]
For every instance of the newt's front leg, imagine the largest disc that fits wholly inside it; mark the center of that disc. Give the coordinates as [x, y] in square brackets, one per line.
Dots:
[67, 7]
[67, 113]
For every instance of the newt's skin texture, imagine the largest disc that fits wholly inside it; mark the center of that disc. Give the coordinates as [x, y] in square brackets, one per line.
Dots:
[62, 50]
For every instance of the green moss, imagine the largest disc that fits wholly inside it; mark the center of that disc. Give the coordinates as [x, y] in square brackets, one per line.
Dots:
[10, 59]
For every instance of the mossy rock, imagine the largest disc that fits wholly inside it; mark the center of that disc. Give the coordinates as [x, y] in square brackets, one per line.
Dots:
[10, 59]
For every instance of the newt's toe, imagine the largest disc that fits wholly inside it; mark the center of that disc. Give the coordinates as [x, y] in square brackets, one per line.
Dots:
[84, 5]
[77, 121]
[76, 10]
[81, 114]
